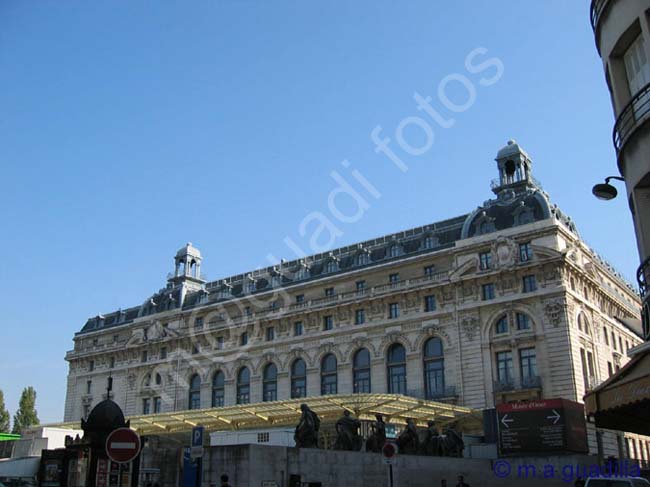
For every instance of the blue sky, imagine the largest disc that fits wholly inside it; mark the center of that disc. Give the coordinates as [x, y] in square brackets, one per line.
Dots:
[129, 128]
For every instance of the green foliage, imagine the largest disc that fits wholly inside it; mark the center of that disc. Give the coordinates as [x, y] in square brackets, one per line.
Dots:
[26, 415]
[4, 415]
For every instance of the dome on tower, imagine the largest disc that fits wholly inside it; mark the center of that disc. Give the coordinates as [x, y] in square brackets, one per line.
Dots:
[511, 148]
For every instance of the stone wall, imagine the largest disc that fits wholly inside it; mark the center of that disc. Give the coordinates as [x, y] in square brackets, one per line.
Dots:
[251, 465]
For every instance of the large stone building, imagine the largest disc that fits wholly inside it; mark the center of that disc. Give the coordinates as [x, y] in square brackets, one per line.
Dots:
[504, 303]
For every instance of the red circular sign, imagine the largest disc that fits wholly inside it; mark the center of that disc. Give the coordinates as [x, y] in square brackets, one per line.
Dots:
[389, 450]
[122, 445]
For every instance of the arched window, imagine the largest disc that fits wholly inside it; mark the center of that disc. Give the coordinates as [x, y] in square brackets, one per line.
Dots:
[434, 368]
[396, 359]
[328, 376]
[147, 380]
[502, 325]
[298, 379]
[243, 386]
[270, 383]
[218, 380]
[158, 379]
[195, 392]
[361, 371]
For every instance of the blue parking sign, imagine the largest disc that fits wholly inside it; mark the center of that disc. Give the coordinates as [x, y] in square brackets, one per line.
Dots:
[197, 442]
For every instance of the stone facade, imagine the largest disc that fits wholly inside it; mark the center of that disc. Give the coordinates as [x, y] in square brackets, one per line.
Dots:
[502, 304]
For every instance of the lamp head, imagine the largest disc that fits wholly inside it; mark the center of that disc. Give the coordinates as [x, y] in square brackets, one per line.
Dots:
[604, 191]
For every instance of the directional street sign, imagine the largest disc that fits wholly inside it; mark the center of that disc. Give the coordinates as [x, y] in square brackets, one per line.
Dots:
[123, 445]
[549, 425]
[197, 442]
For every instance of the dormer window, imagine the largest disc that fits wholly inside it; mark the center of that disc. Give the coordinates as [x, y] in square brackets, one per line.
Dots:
[331, 266]
[251, 286]
[427, 243]
[363, 259]
[276, 280]
[302, 273]
[394, 251]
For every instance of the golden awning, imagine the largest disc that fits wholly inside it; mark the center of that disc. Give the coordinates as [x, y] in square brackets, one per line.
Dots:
[395, 408]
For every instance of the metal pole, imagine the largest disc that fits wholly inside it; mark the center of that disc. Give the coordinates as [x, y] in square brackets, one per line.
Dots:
[390, 472]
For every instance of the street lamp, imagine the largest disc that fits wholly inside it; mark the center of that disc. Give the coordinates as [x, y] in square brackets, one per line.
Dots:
[606, 191]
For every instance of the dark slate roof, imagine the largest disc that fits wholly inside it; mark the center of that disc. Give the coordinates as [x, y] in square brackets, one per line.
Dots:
[517, 204]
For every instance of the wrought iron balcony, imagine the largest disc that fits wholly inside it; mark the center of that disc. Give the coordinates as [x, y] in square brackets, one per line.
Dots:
[531, 382]
[635, 114]
[597, 9]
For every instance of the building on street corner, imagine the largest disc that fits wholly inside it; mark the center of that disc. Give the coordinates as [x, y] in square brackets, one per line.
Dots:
[502, 304]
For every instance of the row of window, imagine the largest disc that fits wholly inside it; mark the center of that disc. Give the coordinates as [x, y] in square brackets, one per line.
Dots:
[529, 285]
[433, 364]
[525, 255]
[620, 348]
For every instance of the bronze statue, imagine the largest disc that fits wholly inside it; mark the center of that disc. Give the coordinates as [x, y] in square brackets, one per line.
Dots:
[377, 438]
[433, 442]
[408, 440]
[306, 435]
[347, 430]
[454, 442]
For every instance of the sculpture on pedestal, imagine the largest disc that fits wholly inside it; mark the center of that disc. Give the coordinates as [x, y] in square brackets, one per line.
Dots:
[408, 440]
[377, 437]
[347, 430]
[306, 435]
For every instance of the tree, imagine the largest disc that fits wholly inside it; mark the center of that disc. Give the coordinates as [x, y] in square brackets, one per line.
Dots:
[4, 415]
[26, 415]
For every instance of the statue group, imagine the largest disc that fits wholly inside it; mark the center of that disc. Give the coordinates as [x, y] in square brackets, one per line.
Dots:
[448, 444]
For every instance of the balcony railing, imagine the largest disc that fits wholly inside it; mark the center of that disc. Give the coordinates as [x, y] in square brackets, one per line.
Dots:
[597, 9]
[635, 114]
[447, 392]
[532, 382]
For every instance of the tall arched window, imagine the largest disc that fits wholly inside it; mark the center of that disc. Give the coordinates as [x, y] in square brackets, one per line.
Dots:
[434, 368]
[298, 379]
[243, 386]
[328, 377]
[195, 392]
[361, 371]
[218, 380]
[396, 369]
[270, 383]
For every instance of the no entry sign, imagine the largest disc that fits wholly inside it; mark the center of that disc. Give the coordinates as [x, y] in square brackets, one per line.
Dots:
[389, 451]
[122, 445]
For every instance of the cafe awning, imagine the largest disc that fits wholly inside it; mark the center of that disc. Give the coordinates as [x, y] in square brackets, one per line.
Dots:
[623, 401]
[396, 408]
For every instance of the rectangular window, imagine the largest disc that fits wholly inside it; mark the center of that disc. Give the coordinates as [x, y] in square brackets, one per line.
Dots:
[91, 366]
[523, 322]
[525, 252]
[198, 323]
[328, 322]
[359, 317]
[528, 363]
[393, 278]
[485, 260]
[393, 310]
[144, 357]
[636, 66]
[613, 341]
[300, 299]
[195, 349]
[219, 344]
[270, 334]
[95, 342]
[243, 339]
[429, 270]
[298, 328]
[157, 405]
[620, 344]
[606, 336]
[115, 338]
[585, 374]
[361, 286]
[146, 406]
[504, 367]
[163, 353]
[111, 363]
[429, 303]
[487, 291]
[329, 292]
[89, 387]
[248, 311]
[530, 284]
[610, 369]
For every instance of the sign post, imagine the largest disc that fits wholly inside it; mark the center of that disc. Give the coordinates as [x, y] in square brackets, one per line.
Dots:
[196, 451]
[389, 452]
